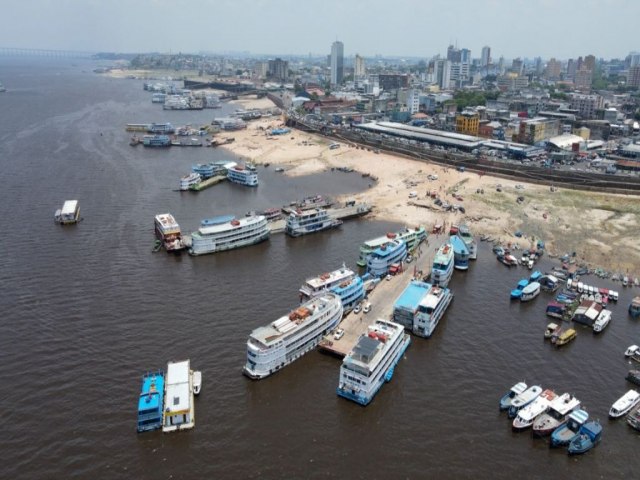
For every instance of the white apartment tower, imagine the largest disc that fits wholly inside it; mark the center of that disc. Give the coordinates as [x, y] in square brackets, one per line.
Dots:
[358, 67]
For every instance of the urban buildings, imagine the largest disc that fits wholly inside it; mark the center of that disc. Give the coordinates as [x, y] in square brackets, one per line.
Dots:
[537, 130]
[485, 58]
[337, 63]
[468, 122]
[586, 105]
[359, 70]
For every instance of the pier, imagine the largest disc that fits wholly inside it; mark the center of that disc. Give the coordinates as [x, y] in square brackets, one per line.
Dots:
[343, 213]
[382, 299]
[209, 182]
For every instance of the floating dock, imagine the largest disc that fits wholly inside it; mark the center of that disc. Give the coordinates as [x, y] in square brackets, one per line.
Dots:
[209, 182]
[343, 213]
[382, 299]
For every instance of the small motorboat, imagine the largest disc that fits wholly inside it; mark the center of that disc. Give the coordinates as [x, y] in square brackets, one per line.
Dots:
[530, 292]
[524, 399]
[528, 414]
[624, 404]
[588, 437]
[565, 433]
[197, 382]
[632, 351]
[602, 321]
[507, 398]
[565, 337]
[633, 376]
[516, 293]
[552, 328]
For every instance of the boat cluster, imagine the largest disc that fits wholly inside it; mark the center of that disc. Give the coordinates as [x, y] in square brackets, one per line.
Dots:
[549, 414]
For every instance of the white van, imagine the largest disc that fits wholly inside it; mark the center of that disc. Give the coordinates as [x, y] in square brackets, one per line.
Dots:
[413, 194]
[367, 307]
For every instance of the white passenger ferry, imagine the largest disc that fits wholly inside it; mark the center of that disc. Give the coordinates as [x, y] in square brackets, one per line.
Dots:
[227, 232]
[302, 222]
[381, 259]
[421, 306]
[442, 269]
[246, 175]
[68, 214]
[286, 339]
[372, 361]
[344, 282]
[168, 232]
[188, 181]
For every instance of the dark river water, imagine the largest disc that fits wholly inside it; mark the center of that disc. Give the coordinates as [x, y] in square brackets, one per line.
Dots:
[87, 309]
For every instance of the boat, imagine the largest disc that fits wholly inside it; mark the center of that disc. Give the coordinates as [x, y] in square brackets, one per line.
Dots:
[380, 260]
[549, 283]
[156, 141]
[227, 232]
[588, 437]
[535, 277]
[168, 232]
[508, 260]
[624, 404]
[189, 181]
[243, 175]
[68, 214]
[372, 361]
[551, 330]
[344, 282]
[633, 352]
[197, 382]
[633, 376]
[555, 310]
[516, 293]
[633, 418]
[411, 237]
[565, 337]
[524, 399]
[442, 268]
[208, 170]
[472, 246]
[308, 203]
[567, 431]
[420, 307]
[557, 414]
[527, 414]
[303, 222]
[507, 398]
[178, 410]
[634, 307]
[165, 128]
[288, 338]
[587, 312]
[531, 291]
[460, 253]
[272, 214]
[602, 321]
[150, 402]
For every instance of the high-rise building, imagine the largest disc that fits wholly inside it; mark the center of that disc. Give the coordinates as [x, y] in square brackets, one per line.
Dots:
[485, 59]
[278, 69]
[572, 67]
[634, 59]
[633, 80]
[453, 54]
[583, 78]
[337, 63]
[590, 63]
[358, 67]
[517, 66]
[442, 71]
[413, 101]
[553, 69]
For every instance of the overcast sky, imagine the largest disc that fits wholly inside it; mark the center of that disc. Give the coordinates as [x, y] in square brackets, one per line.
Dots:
[416, 28]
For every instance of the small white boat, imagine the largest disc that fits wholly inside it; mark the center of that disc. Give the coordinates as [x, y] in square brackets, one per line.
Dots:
[527, 415]
[507, 398]
[530, 292]
[624, 404]
[551, 329]
[602, 321]
[524, 399]
[632, 351]
[197, 381]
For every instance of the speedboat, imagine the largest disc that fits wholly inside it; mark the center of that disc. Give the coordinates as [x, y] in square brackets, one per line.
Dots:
[524, 399]
[197, 382]
[633, 352]
[602, 321]
[568, 431]
[527, 415]
[624, 404]
[588, 437]
[507, 398]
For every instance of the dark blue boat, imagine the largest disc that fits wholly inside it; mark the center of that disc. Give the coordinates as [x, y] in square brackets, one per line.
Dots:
[566, 432]
[588, 437]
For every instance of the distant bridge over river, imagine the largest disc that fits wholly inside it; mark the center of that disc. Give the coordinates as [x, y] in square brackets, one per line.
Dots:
[40, 52]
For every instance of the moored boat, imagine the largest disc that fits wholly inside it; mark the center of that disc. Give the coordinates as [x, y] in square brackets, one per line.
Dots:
[442, 268]
[633, 352]
[159, 141]
[633, 418]
[303, 222]
[372, 361]
[624, 404]
[565, 337]
[507, 398]
[634, 307]
[552, 328]
[602, 321]
[168, 232]
[410, 236]
[460, 253]
[69, 213]
[516, 293]
[555, 310]
[179, 410]
[566, 432]
[633, 376]
[465, 234]
[381, 259]
[531, 291]
[588, 437]
[150, 402]
[587, 312]
[344, 282]
[527, 414]
[197, 382]
[421, 306]
[557, 414]
[288, 338]
[189, 181]
[243, 175]
[524, 399]
[227, 233]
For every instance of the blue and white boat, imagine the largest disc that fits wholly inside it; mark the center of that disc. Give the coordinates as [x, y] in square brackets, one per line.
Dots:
[442, 268]
[156, 141]
[189, 181]
[524, 399]
[226, 233]
[460, 253]
[421, 306]
[381, 259]
[372, 361]
[535, 277]
[563, 435]
[208, 170]
[531, 291]
[303, 222]
[634, 307]
[465, 234]
[150, 402]
[410, 236]
[344, 282]
[555, 310]
[516, 293]
[588, 437]
[246, 175]
[507, 398]
[165, 128]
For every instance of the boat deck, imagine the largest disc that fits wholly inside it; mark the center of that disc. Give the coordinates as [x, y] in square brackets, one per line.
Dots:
[345, 213]
[382, 299]
[209, 182]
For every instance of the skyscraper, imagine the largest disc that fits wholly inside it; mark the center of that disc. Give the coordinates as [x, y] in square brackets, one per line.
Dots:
[358, 67]
[337, 63]
[485, 59]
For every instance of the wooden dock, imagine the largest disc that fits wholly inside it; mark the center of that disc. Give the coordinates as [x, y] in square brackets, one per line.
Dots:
[209, 182]
[382, 299]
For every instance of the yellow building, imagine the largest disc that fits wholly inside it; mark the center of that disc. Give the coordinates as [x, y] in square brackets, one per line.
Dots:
[468, 123]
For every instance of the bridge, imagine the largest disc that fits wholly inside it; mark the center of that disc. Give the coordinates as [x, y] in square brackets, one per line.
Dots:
[40, 52]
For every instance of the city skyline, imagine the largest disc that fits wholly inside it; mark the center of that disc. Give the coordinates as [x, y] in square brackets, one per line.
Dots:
[423, 29]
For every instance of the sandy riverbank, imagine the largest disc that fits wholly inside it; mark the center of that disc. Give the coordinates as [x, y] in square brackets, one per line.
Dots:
[601, 229]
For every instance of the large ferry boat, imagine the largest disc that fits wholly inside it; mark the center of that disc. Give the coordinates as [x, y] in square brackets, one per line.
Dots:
[313, 201]
[460, 253]
[168, 232]
[178, 409]
[228, 232]
[68, 214]
[289, 337]
[465, 234]
[156, 141]
[208, 170]
[189, 181]
[379, 261]
[442, 269]
[410, 236]
[150, 403]
[421, 306]
[302, 222]
[246, 175]
[372, 361]
[344, 282]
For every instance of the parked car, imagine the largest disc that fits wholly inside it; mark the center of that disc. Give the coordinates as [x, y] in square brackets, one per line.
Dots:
[339, 334]
[389, 277]
[367, 307]
[356, 309]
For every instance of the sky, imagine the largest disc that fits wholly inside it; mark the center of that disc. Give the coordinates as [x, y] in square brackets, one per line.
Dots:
[413, 28]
